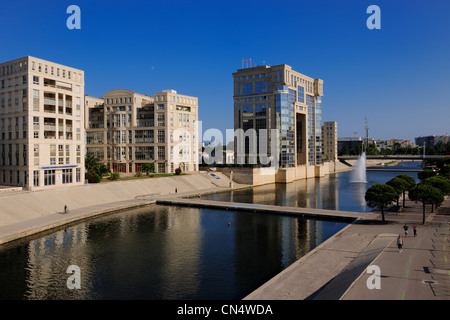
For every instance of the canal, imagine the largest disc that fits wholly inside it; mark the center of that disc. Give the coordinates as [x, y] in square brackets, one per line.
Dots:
[163, 252]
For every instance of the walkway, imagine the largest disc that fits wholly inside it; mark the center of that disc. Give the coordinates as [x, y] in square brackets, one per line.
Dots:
[337, 268]
[262, 208]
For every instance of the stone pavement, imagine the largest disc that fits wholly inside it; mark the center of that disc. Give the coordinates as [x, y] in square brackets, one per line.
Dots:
[337, 268]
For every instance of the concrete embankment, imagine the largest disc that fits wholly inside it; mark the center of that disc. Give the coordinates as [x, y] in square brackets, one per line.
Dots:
[22, 206]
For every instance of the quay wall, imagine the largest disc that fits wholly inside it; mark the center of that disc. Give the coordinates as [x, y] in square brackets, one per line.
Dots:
[18, 206]
[261, 176]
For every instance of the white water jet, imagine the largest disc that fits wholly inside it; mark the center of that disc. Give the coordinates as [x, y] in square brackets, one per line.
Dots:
[359, 170]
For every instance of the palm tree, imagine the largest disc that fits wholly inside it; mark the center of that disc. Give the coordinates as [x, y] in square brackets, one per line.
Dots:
[147, 167]
[90, 162]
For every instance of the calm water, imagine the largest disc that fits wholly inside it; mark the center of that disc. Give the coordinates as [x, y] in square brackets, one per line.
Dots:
[333, 192]
[163, 252]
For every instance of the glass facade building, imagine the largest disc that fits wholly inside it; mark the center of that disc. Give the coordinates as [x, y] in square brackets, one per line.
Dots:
[277, 97]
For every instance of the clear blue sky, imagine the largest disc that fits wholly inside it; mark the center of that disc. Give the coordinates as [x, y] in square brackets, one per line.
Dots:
[398, 77]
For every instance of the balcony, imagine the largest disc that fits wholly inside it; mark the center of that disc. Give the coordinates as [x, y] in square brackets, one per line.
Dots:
[50, 101]
[49, 135]
[50, 127]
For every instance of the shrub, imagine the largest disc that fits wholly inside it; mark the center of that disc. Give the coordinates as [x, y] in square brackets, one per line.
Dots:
[177, 171]
[92, 177]
[115, 176]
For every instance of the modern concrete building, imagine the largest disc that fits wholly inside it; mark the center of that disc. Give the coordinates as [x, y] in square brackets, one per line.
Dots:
[41, 121]
[125, 130]
[330, 136]
[277, 97]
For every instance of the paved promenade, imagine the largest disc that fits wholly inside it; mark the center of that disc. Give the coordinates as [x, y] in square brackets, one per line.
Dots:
[337, 268]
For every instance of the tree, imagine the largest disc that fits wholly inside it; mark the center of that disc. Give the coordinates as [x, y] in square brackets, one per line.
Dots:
[426, 194]
[148, 167]
[439, 182]
[445, 171]
[411, 184]
[380, 195]
[400, 186]
[102, 170]
[422, 175]
[91, 162]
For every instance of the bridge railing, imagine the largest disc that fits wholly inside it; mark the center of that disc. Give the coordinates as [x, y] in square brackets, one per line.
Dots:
[396, 156]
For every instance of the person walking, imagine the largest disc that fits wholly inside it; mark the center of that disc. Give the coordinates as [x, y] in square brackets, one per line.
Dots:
[415, 230]
[400, 243]
[405, 227]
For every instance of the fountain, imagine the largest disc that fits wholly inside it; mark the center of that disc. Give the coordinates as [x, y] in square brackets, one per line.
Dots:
[359, 170]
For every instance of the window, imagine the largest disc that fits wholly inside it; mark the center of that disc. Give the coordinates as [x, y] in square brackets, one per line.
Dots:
[161, 136]
[260, 87]
[300, 94]
[260, 109]
[35, 80]
[67, 176]
[49, 177]
[78, 170]
[36, 178]
[161, 152]
[35, 100]
[247, 88]
[247, 110]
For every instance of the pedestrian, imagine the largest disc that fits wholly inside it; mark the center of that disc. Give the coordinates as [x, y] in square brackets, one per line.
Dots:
[415, 230]
[400, 243]
[405, 227]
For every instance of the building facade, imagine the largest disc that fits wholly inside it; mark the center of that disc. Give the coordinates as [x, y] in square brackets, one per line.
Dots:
[41, 121]
[277, 97]
[330, 136]
[431, 140]
[126, 130]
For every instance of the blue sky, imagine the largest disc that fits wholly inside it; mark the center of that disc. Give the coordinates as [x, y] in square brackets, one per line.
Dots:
[397, 77]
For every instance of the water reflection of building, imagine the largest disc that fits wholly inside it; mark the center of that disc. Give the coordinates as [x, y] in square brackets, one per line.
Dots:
[162, 244]
[48, 259]
[181, 252]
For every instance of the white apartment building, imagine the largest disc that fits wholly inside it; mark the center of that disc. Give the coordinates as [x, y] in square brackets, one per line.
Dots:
[125, 130]
[41, 123]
